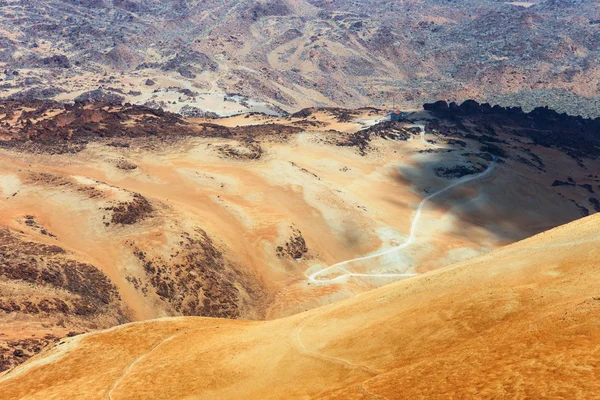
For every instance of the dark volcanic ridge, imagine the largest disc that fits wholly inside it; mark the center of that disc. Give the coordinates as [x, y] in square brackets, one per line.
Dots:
[52, 127]
[576, 136]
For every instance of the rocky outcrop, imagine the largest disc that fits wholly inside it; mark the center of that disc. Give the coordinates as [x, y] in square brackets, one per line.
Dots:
[189, 63]
[60, 128]
[341, 114]
[195, 112]
[131, 212]
[100, 96]
[36, 93]
[386, 130]
[15, 352]
[197, 278]
[457, 171]
[270, 8]
[59, 61]
[50, 288]
[390, 130]
[295, 247]
[576, 136]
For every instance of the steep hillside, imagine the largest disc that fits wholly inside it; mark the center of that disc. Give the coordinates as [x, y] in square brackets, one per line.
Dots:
[517, 322]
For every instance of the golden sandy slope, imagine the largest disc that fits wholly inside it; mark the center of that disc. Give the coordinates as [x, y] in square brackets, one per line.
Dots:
[519, 322]
[236, 227]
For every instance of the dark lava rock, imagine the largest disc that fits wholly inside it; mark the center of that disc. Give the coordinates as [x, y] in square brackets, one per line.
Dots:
[562, 183]
[389, 130]
[190, 61]
[37, 93]
[457, 171]
[128, 213]
[150, 82]
[454, 142]
[100, 96]
[438, 106]
[494, 150]
[295, 247]
[576, 136]
[198, 279]
[56, 62]
[195, 112]
[57, 128]
[268, 9]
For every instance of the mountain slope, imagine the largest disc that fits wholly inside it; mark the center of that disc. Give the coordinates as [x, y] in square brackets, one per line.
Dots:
[517, 322]
[305, 52]
[149, 215]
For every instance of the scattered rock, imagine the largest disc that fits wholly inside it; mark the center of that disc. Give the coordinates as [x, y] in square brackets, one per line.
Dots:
[125, 165]
[295, 247]
[56, 62]
[131, 212]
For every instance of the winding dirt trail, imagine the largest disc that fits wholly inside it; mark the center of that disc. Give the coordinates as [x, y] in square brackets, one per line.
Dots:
[317, 277]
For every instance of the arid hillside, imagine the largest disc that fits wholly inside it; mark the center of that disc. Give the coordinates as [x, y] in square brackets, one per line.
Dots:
[113, 214]
[273, 55]
[518, 322]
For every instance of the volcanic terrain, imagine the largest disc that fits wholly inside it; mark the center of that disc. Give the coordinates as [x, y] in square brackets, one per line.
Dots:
[228, 56]
[118, 213]
[519, 322]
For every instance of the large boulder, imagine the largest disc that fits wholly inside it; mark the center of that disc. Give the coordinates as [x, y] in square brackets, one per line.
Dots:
[195, 112]
[100, 96]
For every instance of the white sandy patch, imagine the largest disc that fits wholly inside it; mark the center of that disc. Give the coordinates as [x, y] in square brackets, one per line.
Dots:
[219, 103]
[255, 197]
[391, 236]
[9, 184]
[521, 3]
[84, 180]
[117, 193]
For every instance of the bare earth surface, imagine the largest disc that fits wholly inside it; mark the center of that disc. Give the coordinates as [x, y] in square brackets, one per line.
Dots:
[518, 322]
[174, 224]
[150, 216]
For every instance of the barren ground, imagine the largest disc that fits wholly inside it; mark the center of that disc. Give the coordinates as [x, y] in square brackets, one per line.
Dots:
[507, 323]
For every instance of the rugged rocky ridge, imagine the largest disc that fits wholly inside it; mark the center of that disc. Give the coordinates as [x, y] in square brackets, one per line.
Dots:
[54, 125]
[578, 137]
[312, 52]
